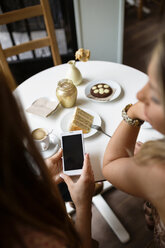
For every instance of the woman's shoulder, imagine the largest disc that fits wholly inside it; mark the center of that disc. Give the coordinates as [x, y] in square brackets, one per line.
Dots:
[157, 173]
[155, 179]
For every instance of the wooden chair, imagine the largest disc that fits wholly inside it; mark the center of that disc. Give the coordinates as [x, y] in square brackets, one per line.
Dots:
[160, 3]
[42, 9]
[6, 77]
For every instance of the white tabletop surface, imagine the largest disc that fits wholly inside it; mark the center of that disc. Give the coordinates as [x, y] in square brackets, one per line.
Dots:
[44, 84]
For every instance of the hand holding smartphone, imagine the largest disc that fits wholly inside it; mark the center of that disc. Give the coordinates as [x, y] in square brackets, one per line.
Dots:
[73, 152]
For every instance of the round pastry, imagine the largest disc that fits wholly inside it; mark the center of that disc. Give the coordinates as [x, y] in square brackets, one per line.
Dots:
[101, 90]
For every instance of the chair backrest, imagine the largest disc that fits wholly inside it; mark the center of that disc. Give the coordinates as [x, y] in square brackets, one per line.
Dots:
[141, 3]
[42, 9]
[8, 78]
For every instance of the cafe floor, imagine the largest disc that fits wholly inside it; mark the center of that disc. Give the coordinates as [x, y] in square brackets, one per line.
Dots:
[139, 38]
[129, 211]
[140, 35]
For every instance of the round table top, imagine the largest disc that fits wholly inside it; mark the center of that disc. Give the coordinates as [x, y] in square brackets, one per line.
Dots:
[44, 84]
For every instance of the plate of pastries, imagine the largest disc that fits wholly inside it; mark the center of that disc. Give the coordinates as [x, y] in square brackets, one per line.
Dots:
[102, 90]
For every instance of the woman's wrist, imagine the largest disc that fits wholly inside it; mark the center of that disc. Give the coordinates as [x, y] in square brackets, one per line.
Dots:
[132, 113]
[84, 208]
[130, 117]
[84, 213]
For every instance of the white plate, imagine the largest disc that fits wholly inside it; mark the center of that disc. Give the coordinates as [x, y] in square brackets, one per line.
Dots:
[115, 86]
[53, 146]
[66, 120]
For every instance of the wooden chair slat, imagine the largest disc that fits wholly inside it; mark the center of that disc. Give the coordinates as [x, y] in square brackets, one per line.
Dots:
[51, 33]
[20, 14]
[42, 9]
[27, 46]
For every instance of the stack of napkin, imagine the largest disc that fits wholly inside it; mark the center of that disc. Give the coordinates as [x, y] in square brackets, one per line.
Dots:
[43, 107]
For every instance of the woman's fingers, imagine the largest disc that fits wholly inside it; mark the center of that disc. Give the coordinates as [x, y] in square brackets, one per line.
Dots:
[66, 179]
[87, 164]
[87, 168]
[57, 156]
[87, 174]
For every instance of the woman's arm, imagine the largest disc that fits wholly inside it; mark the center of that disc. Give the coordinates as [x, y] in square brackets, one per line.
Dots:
[83, 225]
[119, 166]
[81, 193]
[122, 143]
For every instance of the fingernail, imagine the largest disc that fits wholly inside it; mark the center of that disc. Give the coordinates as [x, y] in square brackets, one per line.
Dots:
[61, 175]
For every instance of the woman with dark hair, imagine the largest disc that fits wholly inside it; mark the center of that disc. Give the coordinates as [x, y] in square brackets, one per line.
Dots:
[32, 212]
[143, 174]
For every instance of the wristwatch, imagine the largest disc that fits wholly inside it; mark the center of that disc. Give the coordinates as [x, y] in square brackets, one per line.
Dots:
[130, 121]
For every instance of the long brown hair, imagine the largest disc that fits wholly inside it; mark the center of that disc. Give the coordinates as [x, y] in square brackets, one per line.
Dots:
[154, 151]
[28, 196]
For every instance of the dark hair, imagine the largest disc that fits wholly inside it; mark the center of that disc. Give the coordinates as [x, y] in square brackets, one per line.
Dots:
[28, 194]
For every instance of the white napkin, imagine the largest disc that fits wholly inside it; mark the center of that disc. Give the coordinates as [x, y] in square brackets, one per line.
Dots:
[43, 107]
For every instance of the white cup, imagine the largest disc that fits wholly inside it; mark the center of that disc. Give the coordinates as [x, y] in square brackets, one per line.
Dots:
[41, 138]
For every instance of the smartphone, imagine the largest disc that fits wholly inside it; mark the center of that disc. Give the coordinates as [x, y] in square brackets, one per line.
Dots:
[73, 152]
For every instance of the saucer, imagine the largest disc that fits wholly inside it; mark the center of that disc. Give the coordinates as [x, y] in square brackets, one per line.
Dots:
[53, 146]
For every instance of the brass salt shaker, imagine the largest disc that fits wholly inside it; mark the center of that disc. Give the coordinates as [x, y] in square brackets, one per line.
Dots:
[66, 93]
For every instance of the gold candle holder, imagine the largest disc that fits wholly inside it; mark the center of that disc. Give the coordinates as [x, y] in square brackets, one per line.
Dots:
[66, 93]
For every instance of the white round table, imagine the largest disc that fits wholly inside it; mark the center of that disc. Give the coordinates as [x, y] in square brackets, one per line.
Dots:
[44, 84]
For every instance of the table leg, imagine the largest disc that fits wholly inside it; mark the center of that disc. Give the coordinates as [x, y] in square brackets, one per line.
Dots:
[110, 218]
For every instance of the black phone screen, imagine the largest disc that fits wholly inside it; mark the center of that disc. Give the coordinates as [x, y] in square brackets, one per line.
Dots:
[73, 152]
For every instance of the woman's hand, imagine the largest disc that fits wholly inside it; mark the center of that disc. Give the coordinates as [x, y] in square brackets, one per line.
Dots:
[54, 164]
[82, 190]
[137, 111]
[81, 193]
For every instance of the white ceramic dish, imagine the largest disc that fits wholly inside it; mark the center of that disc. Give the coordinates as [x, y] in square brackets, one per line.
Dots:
[66, 120]
[53, 146]
[114, 85]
